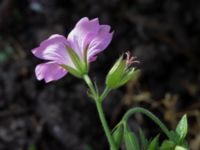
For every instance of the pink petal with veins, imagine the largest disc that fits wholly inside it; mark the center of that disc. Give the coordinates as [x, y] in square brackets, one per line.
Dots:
[49, 71]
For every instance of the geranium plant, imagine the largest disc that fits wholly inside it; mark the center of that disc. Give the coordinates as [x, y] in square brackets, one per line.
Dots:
[74, 53]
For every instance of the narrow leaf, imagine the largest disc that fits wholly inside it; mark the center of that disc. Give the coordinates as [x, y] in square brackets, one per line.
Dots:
[167, 145]
[144, 142]
[182, 128]
[130, 140]
[153, 144]
[180, 148]
[117, 135]
[174, 136]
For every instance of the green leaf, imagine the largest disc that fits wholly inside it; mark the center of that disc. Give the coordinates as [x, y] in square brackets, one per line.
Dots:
[130, 140]
[167, 145]
[153, 144]
[117, 135]
[144, 141]
[73, 71]
[185, 144]
[182, 128]
[180, 148]
[174, 137]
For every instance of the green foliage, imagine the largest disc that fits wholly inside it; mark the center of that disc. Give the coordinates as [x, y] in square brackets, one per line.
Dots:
[143, 140]
[130, 140]
[122, 134]
[118, 135]
[153, 144]
[174, 137]
[180, 148]
[182, 128]
[167, 145]
[175, 141]
[178, 136]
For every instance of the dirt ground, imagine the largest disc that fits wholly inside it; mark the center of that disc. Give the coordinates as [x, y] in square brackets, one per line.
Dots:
[164, 35]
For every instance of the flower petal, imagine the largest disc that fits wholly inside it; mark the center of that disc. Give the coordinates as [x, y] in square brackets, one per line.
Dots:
[54, 49]
[49, 71]
[84, 31]
[100, 42]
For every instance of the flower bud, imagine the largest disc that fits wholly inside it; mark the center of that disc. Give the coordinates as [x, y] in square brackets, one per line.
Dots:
[121, 72]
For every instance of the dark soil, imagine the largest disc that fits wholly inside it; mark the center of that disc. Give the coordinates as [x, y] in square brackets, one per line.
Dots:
[164, 35]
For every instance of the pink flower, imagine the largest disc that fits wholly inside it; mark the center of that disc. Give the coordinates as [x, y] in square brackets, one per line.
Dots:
[74, 53]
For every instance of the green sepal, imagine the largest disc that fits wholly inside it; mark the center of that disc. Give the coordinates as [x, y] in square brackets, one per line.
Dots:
[131, 75]
[79, 64]
[154, 144]
[131, 141]
[118, 135]
[182, 128]
[115, 74]
[120, 74]
[85, 54]
[73, 71]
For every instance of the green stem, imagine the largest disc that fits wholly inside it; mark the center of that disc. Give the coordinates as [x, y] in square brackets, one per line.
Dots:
[104, 94]
[150, 115]
[105, 125]
[90, 85]
[98, 101]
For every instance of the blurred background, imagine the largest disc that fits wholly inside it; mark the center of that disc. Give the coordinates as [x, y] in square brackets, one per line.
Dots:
[164, 35]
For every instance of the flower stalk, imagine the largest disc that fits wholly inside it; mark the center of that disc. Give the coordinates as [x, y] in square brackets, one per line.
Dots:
[105, 93]
[98, 101]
